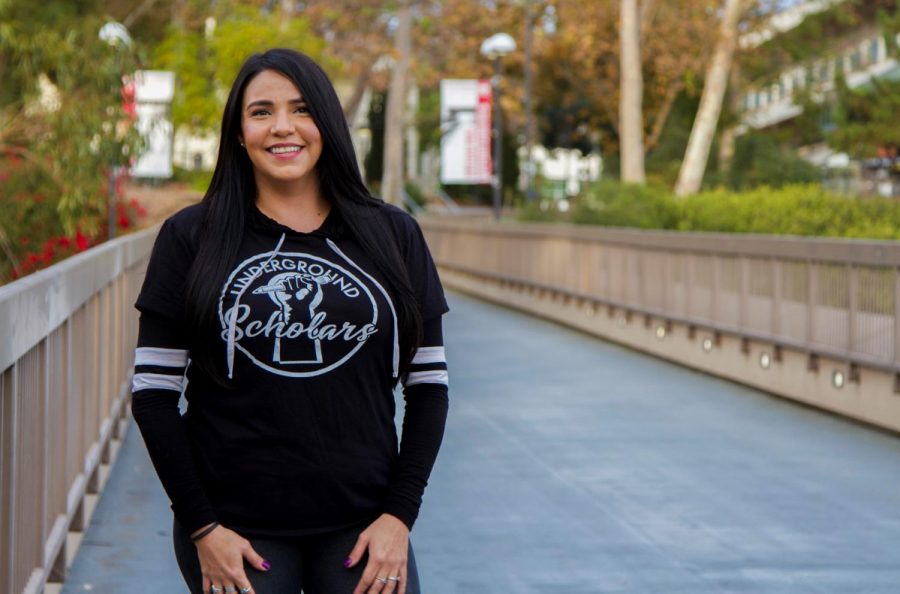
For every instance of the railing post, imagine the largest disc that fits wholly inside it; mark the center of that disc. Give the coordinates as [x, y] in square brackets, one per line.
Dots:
[777, 271]
[744, 267]
[852, 305]
[896, 319]
[813, 282]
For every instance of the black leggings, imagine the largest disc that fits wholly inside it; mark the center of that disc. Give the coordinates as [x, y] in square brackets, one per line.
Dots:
[313, 564]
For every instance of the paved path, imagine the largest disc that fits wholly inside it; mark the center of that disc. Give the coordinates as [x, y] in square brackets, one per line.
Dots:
[572, 466]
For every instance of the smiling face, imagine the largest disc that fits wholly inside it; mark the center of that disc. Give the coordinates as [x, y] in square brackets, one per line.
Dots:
[277, 130]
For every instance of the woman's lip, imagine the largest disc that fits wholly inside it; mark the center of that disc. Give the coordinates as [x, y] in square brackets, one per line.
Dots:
[286, 156]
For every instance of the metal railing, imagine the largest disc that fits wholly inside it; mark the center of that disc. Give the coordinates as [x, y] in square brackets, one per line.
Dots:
[828, 297]
[68, 337]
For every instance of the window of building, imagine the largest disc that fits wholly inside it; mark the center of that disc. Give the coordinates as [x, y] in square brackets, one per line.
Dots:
[875, 51]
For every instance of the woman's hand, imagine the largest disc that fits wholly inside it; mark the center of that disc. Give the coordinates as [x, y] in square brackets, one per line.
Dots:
[222, 553]
[387, 540]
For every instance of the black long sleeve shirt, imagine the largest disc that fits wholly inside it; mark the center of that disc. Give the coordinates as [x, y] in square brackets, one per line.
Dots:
[303, 439]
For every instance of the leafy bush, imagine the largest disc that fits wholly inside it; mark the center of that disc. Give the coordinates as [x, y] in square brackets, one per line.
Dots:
[195, 179]
[799, 209]
[759, 160]
[625, 205]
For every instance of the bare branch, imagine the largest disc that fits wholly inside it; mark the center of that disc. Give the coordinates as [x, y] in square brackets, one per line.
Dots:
[138, 12]
[662, 115]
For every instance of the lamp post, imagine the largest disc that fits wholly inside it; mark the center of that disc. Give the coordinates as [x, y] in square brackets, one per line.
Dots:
[494, 48]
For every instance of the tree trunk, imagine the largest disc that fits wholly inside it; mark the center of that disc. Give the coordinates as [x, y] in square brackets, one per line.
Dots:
[728, 136]
[694, 165]
[662, 116]
[392, 178]
[631, 120]
[287, 13]
[359, 90]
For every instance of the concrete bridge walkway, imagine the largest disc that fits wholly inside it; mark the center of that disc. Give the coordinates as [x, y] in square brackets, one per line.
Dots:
[572, 466]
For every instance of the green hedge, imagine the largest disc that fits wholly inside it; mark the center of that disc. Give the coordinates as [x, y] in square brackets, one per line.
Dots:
[803, 209]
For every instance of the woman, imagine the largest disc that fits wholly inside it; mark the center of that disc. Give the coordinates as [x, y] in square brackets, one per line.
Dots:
[287, 305]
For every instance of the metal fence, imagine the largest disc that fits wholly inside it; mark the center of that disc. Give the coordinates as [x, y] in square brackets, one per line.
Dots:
[829, 297]
[68, 336]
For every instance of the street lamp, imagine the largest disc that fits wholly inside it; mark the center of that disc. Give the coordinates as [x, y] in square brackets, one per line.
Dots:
[494, 48]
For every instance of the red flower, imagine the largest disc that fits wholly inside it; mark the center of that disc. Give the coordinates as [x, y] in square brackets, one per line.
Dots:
[81, 242]
[124, 223]
[64, 242]
[32, 258]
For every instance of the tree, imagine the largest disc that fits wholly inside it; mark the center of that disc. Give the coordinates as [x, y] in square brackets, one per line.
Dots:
[865, 120]
[395, 122]
[692, 169]
[62, 128]
[206, 58]
[631, 118]
[580, 64]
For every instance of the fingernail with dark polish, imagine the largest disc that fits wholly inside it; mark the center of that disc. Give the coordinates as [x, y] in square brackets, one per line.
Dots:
[347, 562]
[266, 566]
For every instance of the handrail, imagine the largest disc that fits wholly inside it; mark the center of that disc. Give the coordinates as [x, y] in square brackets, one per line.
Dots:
[449, 203]
[834, 297]
[65, 362]
[413, 206]
[32, 307]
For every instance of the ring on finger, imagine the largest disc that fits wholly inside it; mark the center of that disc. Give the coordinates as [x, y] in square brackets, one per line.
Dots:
[382, 580]
[393, 578]
[244, 590]
[213, 590]
[230, 590]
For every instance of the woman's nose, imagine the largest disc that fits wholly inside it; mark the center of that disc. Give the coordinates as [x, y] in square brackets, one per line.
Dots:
[282, 123]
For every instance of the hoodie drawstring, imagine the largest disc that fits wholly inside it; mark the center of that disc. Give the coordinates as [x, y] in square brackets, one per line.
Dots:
[395, 356]
[232, 323]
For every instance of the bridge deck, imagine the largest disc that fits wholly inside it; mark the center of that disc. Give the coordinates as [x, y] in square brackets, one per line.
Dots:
[572, 466]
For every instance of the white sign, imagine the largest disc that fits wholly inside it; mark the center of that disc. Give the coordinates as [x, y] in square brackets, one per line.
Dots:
[153, 92]
[466, 132]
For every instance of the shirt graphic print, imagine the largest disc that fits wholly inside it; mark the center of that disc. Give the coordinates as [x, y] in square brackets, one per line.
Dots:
[296, 314]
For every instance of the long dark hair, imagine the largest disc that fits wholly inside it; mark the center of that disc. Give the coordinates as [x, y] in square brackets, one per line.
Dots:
[233, 189]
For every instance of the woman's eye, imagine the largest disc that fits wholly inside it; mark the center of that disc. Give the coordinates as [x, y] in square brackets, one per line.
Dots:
[302, 109]
[259, 112]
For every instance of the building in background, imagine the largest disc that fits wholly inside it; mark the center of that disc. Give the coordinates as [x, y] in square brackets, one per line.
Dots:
[860, 52]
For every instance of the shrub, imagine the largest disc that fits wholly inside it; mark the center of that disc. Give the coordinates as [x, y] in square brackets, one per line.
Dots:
[625, 205]
[798, 209]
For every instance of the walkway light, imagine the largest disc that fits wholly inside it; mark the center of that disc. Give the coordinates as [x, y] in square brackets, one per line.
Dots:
[837, 379]
[494, 48]
[765, 360]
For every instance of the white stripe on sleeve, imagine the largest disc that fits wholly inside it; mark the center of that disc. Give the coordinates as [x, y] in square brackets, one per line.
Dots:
[160, 357]
[434, 376]
[432, 354]
[157, 381]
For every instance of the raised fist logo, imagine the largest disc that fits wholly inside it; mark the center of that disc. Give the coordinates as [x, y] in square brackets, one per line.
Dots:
[292, 286]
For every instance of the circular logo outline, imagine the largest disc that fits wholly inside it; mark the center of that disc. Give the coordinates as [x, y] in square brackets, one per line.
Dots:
[297, 255]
